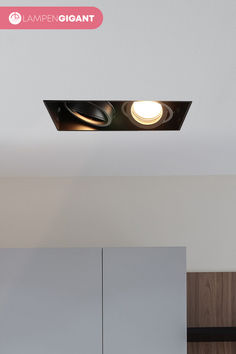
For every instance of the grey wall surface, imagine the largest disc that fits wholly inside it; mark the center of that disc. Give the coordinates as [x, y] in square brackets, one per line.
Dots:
[144, 300]
[50, 301]
[196, 212]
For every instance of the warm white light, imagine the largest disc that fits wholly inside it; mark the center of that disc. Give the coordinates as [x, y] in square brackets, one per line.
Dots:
[146, 112]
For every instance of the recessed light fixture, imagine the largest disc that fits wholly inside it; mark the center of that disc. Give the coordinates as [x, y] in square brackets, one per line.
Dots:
[117, 115]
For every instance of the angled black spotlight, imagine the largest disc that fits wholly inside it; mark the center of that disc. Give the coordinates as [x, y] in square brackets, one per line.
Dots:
[95, 114]
[117, 115]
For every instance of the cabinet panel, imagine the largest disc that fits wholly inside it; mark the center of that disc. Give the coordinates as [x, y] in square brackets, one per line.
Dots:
[212, 348]
[50, 301]
[211, 303]
[211, 299]
[144, 301]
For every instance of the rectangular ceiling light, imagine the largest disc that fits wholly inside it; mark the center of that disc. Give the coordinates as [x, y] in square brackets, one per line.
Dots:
[117, 115]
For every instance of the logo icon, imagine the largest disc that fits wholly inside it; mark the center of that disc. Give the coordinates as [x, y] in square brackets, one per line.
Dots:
[15, 18]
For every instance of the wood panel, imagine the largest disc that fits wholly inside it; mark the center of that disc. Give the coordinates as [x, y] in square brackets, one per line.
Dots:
[211, 299]
[212, 348]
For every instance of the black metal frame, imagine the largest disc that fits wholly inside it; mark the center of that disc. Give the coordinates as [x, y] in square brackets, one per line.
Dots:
[211, 334]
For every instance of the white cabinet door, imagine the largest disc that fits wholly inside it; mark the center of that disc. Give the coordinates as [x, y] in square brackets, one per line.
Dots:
[50, 301]
[144, 301]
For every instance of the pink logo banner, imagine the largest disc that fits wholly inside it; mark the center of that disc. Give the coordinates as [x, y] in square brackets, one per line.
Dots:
[50, 17]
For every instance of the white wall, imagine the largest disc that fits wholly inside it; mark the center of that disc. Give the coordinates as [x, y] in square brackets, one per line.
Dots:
[144, 50]
[197, 212]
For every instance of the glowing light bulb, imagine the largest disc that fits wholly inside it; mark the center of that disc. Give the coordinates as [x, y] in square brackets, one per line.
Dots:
[146, 112]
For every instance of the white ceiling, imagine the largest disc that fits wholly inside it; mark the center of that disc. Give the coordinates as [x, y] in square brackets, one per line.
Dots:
[152, 49]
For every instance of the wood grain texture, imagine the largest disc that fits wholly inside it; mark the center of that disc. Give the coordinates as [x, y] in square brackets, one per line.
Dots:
[211, 299]
[212, 348]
